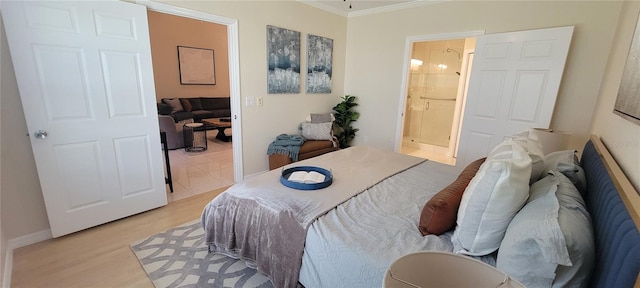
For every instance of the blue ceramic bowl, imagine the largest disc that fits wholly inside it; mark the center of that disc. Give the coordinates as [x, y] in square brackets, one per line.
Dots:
[306, 186]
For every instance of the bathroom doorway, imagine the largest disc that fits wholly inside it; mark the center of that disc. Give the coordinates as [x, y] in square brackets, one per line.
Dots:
[437, 78]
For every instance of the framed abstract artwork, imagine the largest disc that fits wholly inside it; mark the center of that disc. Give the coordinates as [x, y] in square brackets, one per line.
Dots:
[628, 101]
[319, 64]
[196, 65]
[283, 61]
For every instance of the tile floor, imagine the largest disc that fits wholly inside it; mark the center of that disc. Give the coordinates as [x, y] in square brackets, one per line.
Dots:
[433, 153]
[199, 172]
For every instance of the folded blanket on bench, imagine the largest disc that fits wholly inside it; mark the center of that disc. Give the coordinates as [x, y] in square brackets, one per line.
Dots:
[286, 144]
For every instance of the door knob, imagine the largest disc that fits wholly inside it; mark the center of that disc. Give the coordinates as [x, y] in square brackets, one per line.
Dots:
[40, 134]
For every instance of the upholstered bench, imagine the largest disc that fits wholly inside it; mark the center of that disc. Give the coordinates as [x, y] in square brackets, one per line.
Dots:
[310, 148]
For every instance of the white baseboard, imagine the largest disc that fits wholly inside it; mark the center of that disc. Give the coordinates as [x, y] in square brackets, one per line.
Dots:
[254, 174]
[16, 243]
[8, 268]
[29, 239]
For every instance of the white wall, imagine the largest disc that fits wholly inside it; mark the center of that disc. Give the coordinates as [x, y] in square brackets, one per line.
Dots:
[376, 46]
[621, 136]
[21, 195]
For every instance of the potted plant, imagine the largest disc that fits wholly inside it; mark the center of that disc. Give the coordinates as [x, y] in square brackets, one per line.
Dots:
[344, 115]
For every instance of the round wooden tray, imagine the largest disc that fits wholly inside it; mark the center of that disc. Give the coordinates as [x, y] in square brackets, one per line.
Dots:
[306, 186]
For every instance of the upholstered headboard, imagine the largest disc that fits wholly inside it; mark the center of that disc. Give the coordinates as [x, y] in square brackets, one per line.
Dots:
[615, 211]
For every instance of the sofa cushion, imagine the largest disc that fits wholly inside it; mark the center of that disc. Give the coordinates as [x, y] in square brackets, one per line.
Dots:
[221, 113]
[198, 115]
[196, 103]
[182, 115]
[203, 114]
[174, 103]
[215, 103]
[164, 109]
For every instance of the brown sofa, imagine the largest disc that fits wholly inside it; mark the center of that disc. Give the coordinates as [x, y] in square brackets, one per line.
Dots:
[310, 148]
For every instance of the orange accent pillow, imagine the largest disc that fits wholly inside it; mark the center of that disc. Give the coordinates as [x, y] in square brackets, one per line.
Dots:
[441, 211]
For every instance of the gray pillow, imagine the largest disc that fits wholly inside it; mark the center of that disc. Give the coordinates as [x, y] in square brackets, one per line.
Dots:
[320, 118]
[575, 223]
[550, 242]
[533, 245]
[566, 162]
[316, 131]
[174, 103]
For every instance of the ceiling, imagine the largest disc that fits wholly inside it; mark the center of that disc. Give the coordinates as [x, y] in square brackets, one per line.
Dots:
[364, 7]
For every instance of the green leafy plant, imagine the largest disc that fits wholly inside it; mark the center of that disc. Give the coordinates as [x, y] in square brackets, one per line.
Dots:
[345, 115]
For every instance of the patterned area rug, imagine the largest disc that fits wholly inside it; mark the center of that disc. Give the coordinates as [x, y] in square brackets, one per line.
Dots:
[178, 257]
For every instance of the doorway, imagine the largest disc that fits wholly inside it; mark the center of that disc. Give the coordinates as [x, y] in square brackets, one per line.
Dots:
[211, 169]
[234, 71]
[437, 75]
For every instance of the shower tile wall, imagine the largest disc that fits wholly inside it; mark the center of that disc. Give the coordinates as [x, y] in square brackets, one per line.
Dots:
[432, 91]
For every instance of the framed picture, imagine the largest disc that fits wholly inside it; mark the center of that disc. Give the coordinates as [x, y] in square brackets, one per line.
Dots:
[627, 103]
[319, 64]
[283, 61]
[196, 65]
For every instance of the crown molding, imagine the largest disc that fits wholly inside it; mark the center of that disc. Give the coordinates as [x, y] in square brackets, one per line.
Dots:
[325, 7]
[404, 5]
[395, 7]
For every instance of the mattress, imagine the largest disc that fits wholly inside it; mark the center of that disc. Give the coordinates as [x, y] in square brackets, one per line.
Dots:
[354, 244]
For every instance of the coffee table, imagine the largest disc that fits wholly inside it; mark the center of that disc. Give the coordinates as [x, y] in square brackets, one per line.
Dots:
[221, 125]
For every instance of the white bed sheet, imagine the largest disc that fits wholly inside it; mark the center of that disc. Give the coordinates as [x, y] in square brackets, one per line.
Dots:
[354, 244]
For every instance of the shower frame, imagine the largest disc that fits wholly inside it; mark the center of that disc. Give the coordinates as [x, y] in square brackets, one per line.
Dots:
[458, 114]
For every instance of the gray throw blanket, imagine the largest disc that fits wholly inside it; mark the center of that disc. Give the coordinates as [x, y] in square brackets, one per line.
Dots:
[265, 223]
[286, 144]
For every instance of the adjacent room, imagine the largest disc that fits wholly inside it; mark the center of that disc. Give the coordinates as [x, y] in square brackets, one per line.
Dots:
[88, 198]
[197, 171]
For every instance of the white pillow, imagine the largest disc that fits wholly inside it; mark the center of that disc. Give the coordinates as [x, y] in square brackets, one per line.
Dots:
[316, 131]
[533, 146]
[493, 197]
[533, 244]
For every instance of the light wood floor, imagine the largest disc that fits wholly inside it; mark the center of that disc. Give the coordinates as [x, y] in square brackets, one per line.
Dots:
[100, 256]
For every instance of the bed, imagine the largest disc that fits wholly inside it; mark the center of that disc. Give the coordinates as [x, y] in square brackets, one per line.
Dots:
[347, 235]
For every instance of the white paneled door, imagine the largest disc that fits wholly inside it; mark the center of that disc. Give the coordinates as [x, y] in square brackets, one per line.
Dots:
[513, 87]
[86, 83]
